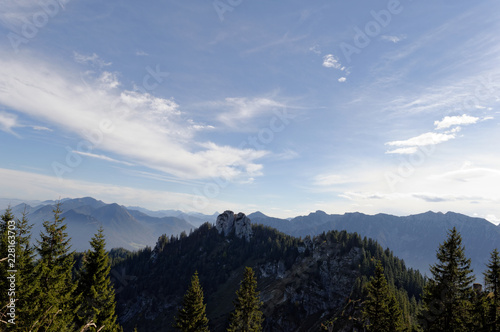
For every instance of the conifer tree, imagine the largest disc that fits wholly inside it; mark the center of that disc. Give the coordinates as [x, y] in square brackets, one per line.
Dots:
[53, 299]
[446, 299]
[381, 310]
[97, 295]
[192, 317]
[247, 316]
[492, 286]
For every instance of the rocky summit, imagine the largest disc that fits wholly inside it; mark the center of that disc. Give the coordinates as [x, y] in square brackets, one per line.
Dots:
[228, 222]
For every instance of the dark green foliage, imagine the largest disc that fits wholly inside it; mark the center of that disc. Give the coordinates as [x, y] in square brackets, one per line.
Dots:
[447, 304]
[247, 315]
[492, 289]
[381, 310]
[192, 317]
[97, 296]
[54, 302]
[163, 274]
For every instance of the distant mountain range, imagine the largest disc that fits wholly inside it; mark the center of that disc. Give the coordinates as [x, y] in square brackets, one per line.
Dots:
[127, 227]
[414, 238]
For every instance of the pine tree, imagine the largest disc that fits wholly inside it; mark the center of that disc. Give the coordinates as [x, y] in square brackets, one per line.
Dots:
[247, 316]
[96, 292]
[446, 299]
[53, 299]
[492, 286]
[192, 317]
[381, 309]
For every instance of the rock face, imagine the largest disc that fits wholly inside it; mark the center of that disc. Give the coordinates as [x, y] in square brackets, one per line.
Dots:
[228, 222]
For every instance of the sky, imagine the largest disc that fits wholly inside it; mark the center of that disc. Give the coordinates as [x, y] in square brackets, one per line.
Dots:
[283, 107]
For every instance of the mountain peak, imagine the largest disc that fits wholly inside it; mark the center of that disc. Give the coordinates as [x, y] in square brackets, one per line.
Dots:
[257, 214]
[227, 222]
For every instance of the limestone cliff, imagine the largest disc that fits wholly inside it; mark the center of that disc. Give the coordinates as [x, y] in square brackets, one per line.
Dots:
[228, 222]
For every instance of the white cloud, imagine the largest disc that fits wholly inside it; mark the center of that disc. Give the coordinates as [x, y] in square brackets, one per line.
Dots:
[141, 53]
[145, 129]
[410, 150]
[41, 128]
[328, 180]
[449, 121]
[237, 111]
[468, 173]
[330, 61]
[315, 49]
[30, 185]
[423, 140]
[393, 39]
[7, 122]
[108, 80]
[287, 154]
[342, 79]
[93, 60]
[102, 157]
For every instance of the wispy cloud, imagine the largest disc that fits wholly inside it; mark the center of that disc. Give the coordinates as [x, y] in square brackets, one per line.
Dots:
[93, 60]
[342, 79]
[328, 180]
[449, 121]
[108, 80]
[38, 186]
[393, 39]
[410, 150]
[147, 130]
[331, 61]
[7, 122]
[102, 157]
[41, 128]
[237, 111]
[429, 138]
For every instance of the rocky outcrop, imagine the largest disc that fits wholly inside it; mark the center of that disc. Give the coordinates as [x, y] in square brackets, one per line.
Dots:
[316, 286]
[228, 222]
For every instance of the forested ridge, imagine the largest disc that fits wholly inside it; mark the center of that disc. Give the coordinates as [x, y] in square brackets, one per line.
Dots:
[296, 283]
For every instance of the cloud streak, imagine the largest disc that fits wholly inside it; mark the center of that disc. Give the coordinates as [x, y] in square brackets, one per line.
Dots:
[147, 130]
[449, 121]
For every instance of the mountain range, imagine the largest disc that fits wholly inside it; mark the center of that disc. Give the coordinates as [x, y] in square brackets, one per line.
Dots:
[126, 227]
[412, 238]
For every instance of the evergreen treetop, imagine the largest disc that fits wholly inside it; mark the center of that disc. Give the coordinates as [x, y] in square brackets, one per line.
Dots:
[192, 317]
[53, 300]
[247, 315]
[381, 309]
[97, 295]
[447, 305]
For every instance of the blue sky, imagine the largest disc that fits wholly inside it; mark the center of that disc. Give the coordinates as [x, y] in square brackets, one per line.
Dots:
[283, 107]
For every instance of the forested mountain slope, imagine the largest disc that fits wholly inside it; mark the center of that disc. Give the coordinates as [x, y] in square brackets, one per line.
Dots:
[303, 282]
